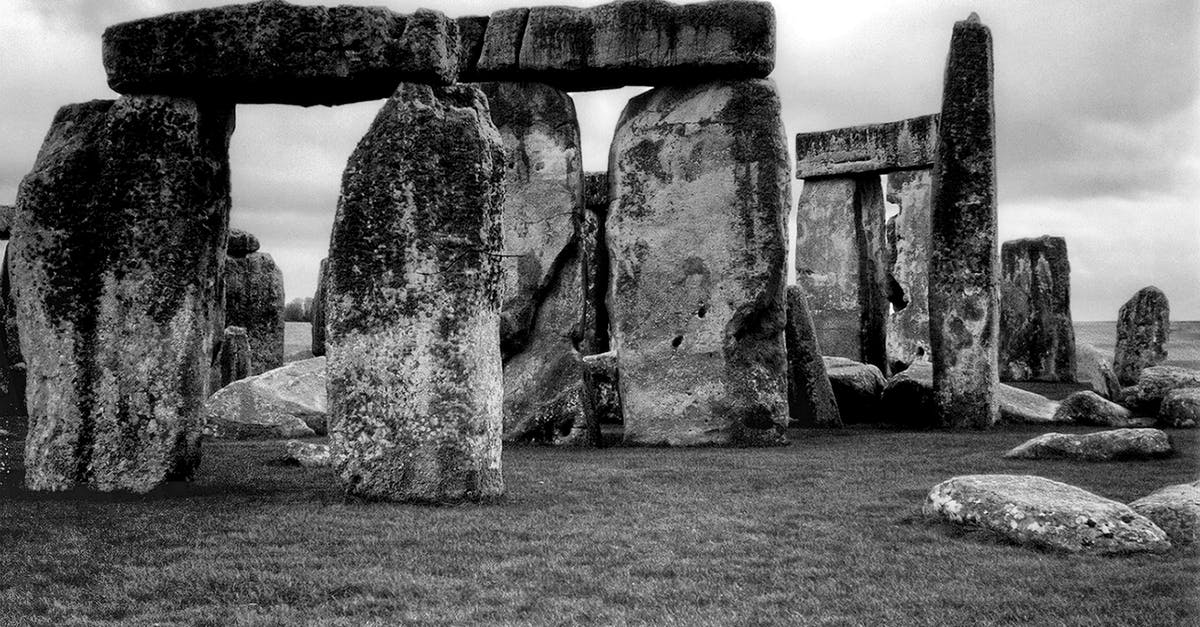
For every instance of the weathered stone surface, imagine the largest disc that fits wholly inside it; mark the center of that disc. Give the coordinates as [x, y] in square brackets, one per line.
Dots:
[318, 310]
[810, 395]
[964, 308]
[1100, 446]
[1180, 409]
[593, 252]
[14, 419]
[1176, 510]
[858, 389]
[235, 356]
[869, 149]
[601, 395]
[1094, 368]
[308, 454]
[254, 300]
[276, 52]
[471, 31]
[1088, 408]
[1153, 385]
[6, 220]
[841, 262]
[241, 243]
[908, 401]
[595, 191]
[1036, 511]
[413, 307]
[542, 291]
[1037, 340]
[287, 402]
[1143, 328]
[908, 267]
[640, 42]
[696, 234]
[115, 263]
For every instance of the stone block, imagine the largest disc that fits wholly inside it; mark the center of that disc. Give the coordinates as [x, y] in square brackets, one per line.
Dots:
[1143, 329]
[869, 149]
[1037, 339]
[254, 300]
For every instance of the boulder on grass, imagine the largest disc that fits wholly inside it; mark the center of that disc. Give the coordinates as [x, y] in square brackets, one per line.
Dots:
[309, 455]
[1180, 409]
[1102, 446]
[1023, 407]
[1176, 510]
[857, 388]
[1153, 385]
[287, 402]
[1089, 408]
[1035, 511]
[1094, 368]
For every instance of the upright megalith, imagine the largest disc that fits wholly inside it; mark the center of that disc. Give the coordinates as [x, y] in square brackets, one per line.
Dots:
[254, 300]
[872, 148]
[235, 358]
[413, 302]
[1143, 328]
[318, 310]
[542, 288]
[115, 263]
[810, 394]
[1037, 338]
[276, 52]
[964, 308]
[696, 236]
[841, 263]
[13, 415]
[908, 267]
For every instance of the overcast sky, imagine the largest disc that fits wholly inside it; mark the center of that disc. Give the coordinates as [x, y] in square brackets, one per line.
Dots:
[1098, 118]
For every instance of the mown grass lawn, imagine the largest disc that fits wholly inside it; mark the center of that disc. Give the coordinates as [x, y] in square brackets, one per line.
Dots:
[825, 531]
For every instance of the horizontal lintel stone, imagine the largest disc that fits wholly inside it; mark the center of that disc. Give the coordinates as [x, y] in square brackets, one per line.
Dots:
[873, 148]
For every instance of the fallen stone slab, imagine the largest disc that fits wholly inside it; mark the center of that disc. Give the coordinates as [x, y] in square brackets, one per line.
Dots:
[1089, 408]
[858, 389]
[1035, 511]
[308, 454]
[1143, 329]
[1037, 339]
[1024, 407]
[1102, 446]
[868, 149]
[1154, 384]
[1176, 510]
[287, 402]
[276, 52]
[639, 42]
[1180, 409]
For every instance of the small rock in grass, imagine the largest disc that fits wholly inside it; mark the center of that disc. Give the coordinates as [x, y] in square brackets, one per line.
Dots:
[1102, 446]
[1089, 408]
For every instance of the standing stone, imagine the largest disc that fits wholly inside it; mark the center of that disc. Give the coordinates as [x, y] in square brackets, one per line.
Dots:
[542, 288]
[413, 303]
[116, 260]
[1143, 328]
[963, 291]
[908, 267]
[696, 234]
[13, 415]
[235, 356]
[1037, 339]
[841, 264]
[318, 310]
[254, 301]
[810, 396]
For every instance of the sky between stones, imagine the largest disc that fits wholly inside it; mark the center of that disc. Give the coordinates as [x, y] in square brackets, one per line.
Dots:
[1098, 120]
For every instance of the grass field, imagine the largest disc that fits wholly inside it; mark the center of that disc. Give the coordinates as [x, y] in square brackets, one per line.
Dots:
[823, 532]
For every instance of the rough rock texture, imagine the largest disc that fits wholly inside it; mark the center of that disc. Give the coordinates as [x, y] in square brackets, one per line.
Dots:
[287, 402]
[696, 236]
[1176, 510]
[601, 398]
[234, 357]
[1024, 407]
[116, 258]
[12, 363]
[858, 389]
[7, 213]
[1037, 340]
[1094, 368]
[870, 149]
[841, 262]
[1153, 385]
[471, 30]
[640, 42]
[241, 243]
[308, 454]
[1089, 408]
[1180, 408]
[318, 310]
[964, 308]
[1100, 446]
[254, 300]
[908, 267]
[1036, 511]
[909, 402]
[810, 395]
[413, 307]
[593, 252]
[276, 52]
[542, 291]
[1143, 328]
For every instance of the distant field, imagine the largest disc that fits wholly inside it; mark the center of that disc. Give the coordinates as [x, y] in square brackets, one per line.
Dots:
[1183, 348]
[297, 341]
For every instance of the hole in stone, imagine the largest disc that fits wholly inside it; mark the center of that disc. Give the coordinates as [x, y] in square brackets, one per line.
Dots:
[895, 294]
[701, 311]
[677, 341]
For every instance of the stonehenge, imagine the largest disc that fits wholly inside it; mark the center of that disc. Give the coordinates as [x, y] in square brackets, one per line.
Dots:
[254, 300]
[1037, 341]
[1143, 328]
